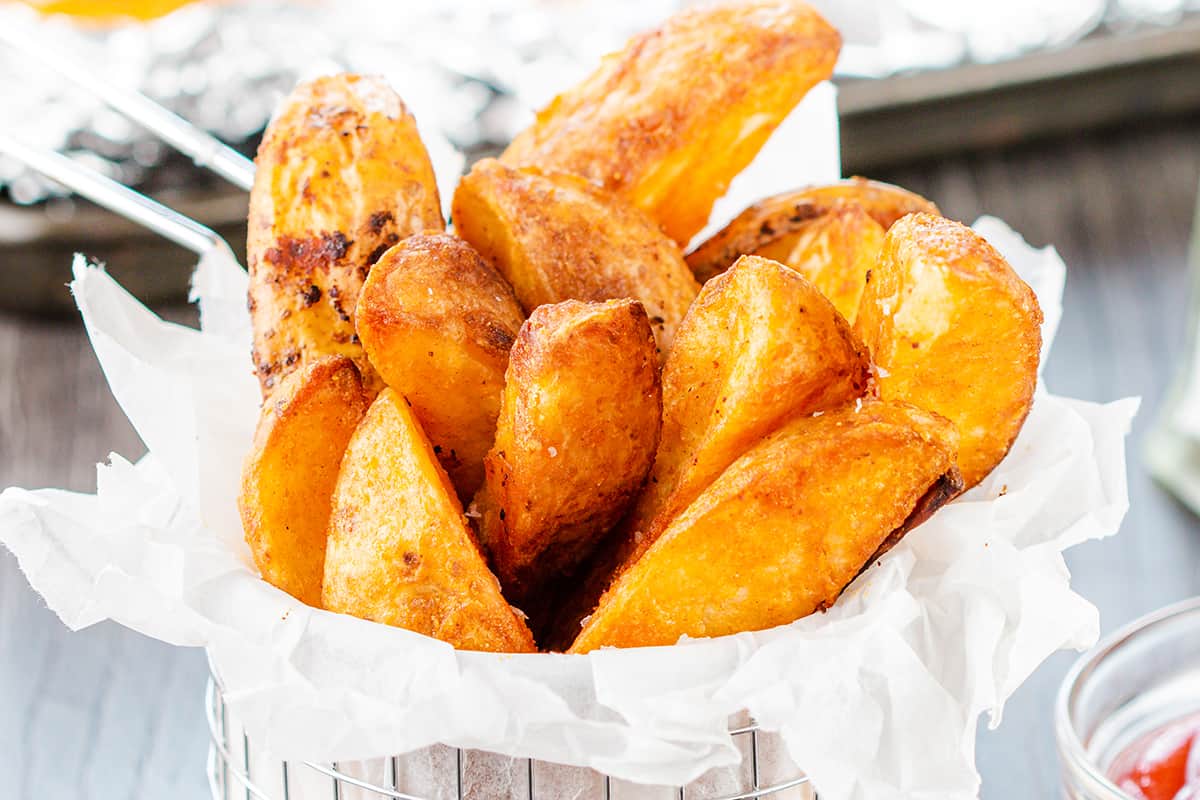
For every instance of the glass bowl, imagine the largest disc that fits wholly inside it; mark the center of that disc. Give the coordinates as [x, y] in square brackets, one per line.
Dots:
[1136, 680]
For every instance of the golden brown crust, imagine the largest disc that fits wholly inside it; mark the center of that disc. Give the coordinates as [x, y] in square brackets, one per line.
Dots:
[946, 488]
[761, 225]
[288, 478]
[835, 252]
[671, 119]
[400, 552]
[437, 323]
[577, 433]
[954, 330]
[341, 175]
[556, 237]
[783, 530]
[759, 346]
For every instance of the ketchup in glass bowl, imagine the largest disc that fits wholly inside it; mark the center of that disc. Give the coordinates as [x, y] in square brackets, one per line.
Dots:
[1127, 721]
[1163, 764]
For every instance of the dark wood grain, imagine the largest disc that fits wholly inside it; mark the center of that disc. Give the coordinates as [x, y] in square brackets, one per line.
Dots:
[107, 713]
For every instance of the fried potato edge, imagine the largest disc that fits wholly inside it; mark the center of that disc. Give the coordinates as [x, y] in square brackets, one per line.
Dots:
[289, 475]
[421, 570]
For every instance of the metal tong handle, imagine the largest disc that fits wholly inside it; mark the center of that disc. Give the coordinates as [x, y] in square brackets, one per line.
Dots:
[204, 149]
[114, 196]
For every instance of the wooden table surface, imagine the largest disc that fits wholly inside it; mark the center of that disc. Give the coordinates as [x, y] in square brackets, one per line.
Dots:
[107, 713]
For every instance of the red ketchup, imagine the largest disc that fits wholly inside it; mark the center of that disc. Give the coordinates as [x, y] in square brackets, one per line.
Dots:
[1162, 765]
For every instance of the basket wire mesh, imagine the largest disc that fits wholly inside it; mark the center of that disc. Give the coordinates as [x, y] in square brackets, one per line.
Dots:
[233, 774]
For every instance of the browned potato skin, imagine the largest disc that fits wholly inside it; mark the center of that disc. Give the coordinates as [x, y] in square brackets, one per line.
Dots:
[671, 119]
[946, 488]
[288, 478]
[341, 176]
[759, 346]
[954, 330]
[437, 323]
[400, 552]
[783, 530]
[772, 219]
[835, 252]
[556, 237]
[577, 434]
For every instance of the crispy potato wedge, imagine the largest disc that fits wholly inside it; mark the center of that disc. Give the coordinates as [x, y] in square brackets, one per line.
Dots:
[759, 346]
[557, 237]
[341, 176]
[399, 549]
[437, 323]
[835, 252]
[782, 532]
[671, 119]
[776, 218]
[954, 330]
[288, 478]
[577, 434]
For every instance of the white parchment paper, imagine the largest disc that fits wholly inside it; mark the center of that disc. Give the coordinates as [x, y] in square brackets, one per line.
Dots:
[877, 698]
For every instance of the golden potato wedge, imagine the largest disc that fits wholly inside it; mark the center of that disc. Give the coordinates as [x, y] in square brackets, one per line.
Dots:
[288, 478]
[671, 119]
[577, 433]
[437, 323]
[399, 549]
[341, 176]
[557, 237]
[757, 228]
[834, 251]
[759, 346]
[782, 532]
[954, 330]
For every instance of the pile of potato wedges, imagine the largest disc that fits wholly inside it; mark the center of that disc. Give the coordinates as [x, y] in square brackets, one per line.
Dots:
[550, 427]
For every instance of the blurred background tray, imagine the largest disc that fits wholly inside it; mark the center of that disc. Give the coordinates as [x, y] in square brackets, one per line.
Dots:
[1116, 70]
[1105, 80]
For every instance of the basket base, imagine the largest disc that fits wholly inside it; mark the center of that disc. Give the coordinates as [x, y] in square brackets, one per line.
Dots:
[236, 770]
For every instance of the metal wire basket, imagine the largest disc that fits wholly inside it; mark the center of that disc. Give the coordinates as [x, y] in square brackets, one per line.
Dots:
[237, 772]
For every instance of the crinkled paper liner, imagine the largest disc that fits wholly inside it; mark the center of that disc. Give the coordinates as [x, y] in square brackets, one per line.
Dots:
[876, 698]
